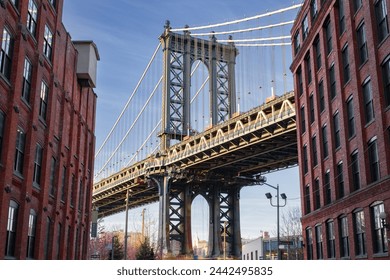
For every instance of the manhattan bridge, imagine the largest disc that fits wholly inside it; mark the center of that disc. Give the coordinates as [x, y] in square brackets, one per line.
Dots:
[198, 123]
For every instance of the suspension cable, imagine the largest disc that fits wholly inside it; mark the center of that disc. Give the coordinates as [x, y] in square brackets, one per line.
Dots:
[254, 39]
[263, 45]
[244, 30]
[129, 100]
[131, 127]
[238, 21]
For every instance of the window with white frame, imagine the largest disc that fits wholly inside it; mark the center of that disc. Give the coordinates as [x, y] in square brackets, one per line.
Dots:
[19, 151]
[360, 233]
[381, 19]
[43, 100]
[331, 239]
[27, 73]
[10, 241]
[362, 43]
[379, 233]
[7, 43]
[320, 252]
[38, 165]
[32, 16]
[344, 237]
[373, 160]
[32, 223]
[47, 43]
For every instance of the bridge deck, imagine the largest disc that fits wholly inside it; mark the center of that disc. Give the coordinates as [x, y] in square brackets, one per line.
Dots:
[259, 141]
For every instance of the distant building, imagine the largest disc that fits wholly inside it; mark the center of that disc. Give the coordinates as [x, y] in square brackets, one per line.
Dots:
[266, 248]
[47, 141]
[201, 249]
[341, 67]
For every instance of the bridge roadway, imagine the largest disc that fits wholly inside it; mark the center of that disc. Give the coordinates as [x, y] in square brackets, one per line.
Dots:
[255, 142]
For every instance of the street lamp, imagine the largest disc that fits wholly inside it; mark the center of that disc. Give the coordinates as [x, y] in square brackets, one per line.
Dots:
[262, 181]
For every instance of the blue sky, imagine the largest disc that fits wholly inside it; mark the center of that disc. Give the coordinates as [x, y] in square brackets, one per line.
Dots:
[126, 33]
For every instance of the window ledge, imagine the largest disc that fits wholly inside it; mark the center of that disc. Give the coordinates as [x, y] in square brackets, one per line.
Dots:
[361, 257]
[381, 255]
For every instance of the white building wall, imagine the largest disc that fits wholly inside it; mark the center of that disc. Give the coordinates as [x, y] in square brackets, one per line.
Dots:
[253, 250]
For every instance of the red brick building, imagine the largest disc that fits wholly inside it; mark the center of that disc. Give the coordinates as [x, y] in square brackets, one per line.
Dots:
[47, 122]
[341, 66]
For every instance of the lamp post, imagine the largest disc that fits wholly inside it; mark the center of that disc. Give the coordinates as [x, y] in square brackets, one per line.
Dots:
[262, 181]
[126, 222]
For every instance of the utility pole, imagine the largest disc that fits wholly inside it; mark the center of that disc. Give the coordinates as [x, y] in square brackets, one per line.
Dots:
[143, 224]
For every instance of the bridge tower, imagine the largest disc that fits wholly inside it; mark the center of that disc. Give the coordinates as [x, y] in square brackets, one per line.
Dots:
[180, 51]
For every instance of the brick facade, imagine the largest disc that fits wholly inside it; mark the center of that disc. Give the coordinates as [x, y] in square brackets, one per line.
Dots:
[342, 99]
[50, 189]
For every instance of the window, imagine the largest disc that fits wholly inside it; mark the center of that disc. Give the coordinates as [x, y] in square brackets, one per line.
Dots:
[320, 254]
[300, 82]
[37, 165]
[19, 153]
[6, 54]
[32, 17]
[305, 164]
[313, 9]
[325, 142]
[58, 241]
[311, 103]
[15, 3]
[328, 36]
[43, 100]
[317, 197]
[332, 80]
[305, 27]
[357, 4]
[351, 118]
[47, 43]
[72, 186]
[340, 180]
[381, 19]
[386, 80]
[362, 43]
[327, 188]
[297, 42]
[2, 124]
[303, 120]
[336, 130]
[47, 239]
[308, 68]
[32, 223]
[345, 58]
[368, 102]
[63, 182]
[360, 233]
[52, 176]
[355, 170]
[10, 241]
[321, 95]
[379, 233]
[373, 159]
[53, 3]
[81, 195]
[317, 52]
[314, 150]
[344, 239]
[307, 200]
[27, 72]
[331, 244]
[309, 243]
[341, 16]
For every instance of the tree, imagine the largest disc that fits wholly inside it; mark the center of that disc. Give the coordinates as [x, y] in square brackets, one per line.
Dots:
[117, 247]
[292, 229]
[145, 251]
